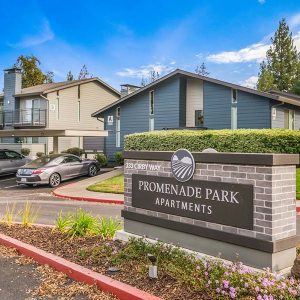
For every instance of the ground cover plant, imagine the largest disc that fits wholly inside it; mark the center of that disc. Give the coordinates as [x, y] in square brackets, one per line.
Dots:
[112, 185]
[180, 275]
[241, 140]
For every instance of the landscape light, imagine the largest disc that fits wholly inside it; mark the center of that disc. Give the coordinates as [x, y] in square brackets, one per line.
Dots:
[153, 267]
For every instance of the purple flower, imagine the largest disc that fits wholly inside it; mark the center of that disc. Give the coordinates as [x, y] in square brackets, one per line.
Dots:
[257, 289]
[232, 289]
[259, 297]
[206, 273]
[218, 290]
[266, 297]
[226, 284]
[246, 284]
[232, 295]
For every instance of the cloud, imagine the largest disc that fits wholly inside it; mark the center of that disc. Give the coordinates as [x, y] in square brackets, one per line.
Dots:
[143, 71]
[249, 82]
[254, 52]
[44, 35]
[294, 21]
[262, 1]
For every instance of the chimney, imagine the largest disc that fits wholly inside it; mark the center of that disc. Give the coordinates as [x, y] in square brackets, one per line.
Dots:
[12, 86]
[127, 89]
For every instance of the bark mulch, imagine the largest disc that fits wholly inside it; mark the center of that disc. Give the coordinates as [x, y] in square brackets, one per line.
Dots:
[54, 242]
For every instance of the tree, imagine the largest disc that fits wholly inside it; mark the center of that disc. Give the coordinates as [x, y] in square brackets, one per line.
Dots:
[282, 61]
[143, 81]
[70, 76]
[84, 73]
[49, 77]
[31, 73]
[153, 76]
[201, 70]
[265, 79]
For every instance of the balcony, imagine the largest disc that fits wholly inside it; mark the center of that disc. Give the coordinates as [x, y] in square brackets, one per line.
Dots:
[23, 118]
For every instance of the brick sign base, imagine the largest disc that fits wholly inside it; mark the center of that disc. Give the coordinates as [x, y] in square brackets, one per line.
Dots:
[258, 224]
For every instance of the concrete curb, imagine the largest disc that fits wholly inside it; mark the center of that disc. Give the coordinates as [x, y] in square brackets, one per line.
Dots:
[121, 290]
[88, 199]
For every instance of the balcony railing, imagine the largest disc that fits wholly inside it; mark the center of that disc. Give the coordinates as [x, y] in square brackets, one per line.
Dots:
[30, 117]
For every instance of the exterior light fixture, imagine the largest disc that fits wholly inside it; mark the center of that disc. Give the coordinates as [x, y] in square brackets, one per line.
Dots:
[152, 267]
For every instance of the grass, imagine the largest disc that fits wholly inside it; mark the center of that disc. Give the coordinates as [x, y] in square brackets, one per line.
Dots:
[298, 184]
[113, 185]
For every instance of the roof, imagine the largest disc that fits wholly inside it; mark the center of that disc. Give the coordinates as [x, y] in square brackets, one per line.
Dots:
[51, 132]
[285, 99]
[285, 94]
[51, 87]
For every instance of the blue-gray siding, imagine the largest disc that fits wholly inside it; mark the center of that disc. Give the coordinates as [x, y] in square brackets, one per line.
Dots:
[216, 106]
[253, 111]
[135, 113]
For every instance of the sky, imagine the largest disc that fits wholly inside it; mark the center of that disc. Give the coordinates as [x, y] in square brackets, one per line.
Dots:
[122, 41]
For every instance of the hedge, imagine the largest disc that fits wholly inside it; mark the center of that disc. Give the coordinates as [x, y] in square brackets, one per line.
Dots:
[241, 140]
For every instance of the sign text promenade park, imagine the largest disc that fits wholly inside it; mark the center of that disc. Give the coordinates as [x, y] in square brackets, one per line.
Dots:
[224, 203]
[218, 202]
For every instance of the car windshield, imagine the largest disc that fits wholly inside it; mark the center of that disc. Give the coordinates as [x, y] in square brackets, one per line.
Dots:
[44, 160]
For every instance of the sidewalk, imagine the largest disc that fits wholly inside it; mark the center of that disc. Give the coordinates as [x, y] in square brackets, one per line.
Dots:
[77, 190]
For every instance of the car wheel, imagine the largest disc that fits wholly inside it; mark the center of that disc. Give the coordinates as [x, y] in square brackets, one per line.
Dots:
[93, 170]
[54, 180]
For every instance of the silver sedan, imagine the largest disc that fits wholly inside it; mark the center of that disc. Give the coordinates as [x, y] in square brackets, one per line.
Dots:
[53, 169]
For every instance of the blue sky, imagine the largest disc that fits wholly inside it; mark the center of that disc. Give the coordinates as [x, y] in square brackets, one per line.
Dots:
[120, 41]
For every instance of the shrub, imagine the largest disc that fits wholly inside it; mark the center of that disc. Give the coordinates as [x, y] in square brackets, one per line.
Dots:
[75, 151]
[108, 227]
[241, 140]
[119, 158]
[101, 158]
[40, 154]
[83, 224]
[25, 151]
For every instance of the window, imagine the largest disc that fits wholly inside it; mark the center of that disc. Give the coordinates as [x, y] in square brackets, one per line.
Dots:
[78, 92]
[12, 155]
[234, 96]
[151, 103]
[118, 127]
[233, 117]
[78, 111]
[199, 118]
[289, 119]
[118, 111]
[151, 124]
[71, 159]
[118, 133]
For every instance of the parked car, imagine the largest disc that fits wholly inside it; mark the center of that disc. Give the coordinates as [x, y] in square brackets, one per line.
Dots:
[55, 168]
[11, 161]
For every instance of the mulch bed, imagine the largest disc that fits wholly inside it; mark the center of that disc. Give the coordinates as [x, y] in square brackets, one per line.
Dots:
[54, 242]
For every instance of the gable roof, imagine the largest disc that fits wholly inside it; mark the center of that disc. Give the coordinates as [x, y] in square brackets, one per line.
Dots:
[285, 99]
[51, 87]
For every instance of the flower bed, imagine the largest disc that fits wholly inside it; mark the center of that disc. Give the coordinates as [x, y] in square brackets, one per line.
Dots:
[181, 276]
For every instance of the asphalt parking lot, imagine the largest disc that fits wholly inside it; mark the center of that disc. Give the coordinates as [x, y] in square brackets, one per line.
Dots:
[48, 205]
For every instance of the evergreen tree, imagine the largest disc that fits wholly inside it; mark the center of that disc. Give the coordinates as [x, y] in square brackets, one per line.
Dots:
[84, 73]
[201, 70]
[265, 79]
[70, 76]
[282, 61]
